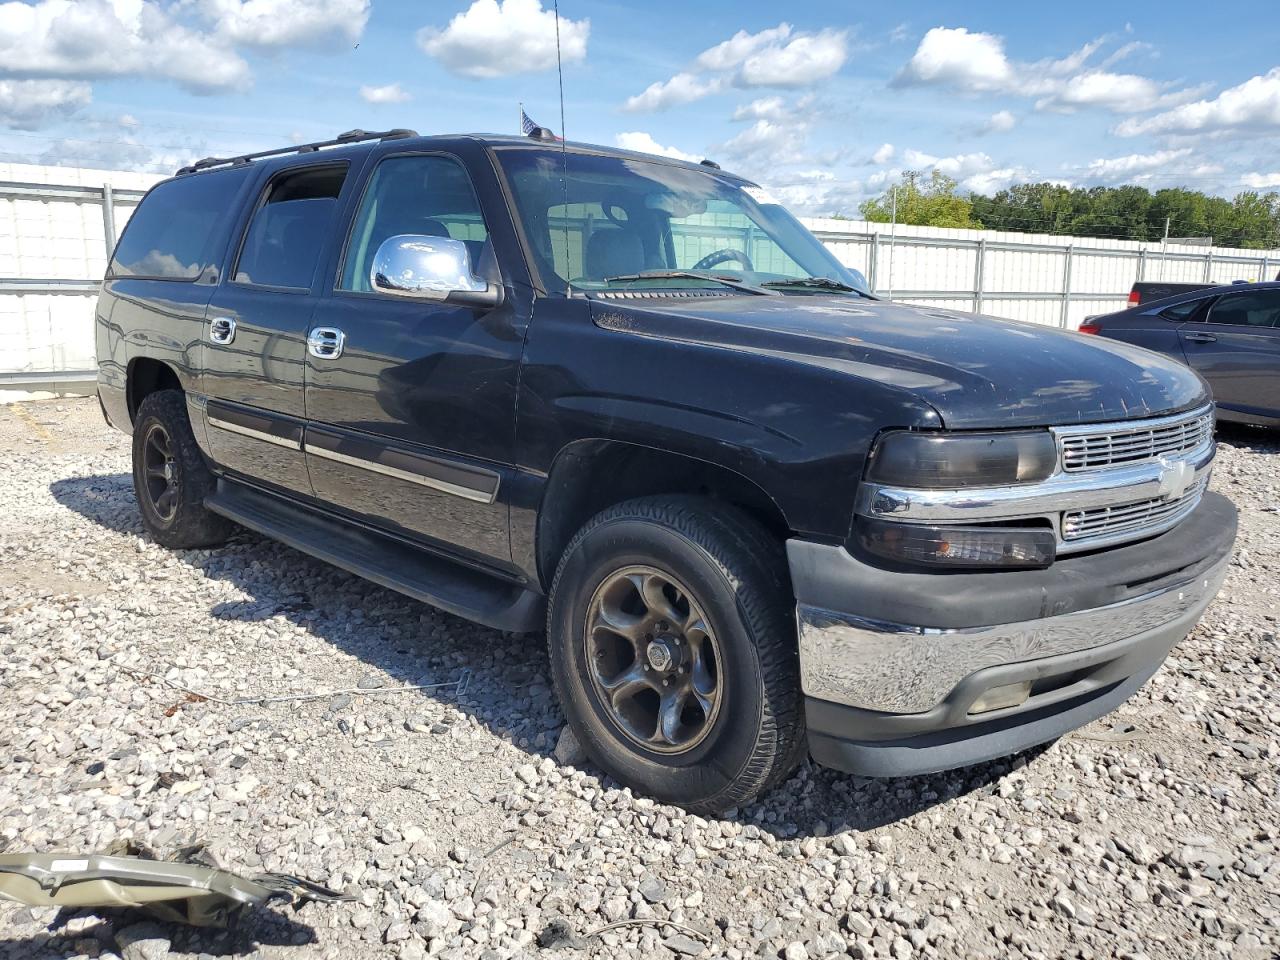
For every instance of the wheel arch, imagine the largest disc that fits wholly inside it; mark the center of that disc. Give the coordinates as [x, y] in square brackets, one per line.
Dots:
[588, 476]
[146, 375]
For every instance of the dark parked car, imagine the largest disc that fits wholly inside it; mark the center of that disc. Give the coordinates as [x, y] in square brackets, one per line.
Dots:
[634, 402]
[1230, 335]
[1144, 291]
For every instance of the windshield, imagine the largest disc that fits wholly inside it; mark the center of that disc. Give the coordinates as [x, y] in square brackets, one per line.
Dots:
[615, 218]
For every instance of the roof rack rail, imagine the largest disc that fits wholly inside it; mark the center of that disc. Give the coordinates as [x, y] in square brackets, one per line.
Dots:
[351, 136]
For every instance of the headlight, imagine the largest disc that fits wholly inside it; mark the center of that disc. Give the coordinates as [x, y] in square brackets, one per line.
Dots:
[941, 460]
[952, 545]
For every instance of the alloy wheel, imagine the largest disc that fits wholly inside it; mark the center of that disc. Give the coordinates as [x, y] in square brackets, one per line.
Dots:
[160, 472]
[653, 659]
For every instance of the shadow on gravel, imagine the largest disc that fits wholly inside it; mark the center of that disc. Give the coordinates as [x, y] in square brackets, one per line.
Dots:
[1251, 438]
[509, 691]
[264, 927]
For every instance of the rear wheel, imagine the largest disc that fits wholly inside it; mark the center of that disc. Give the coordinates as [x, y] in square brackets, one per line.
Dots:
[673, 651]
[170, 476]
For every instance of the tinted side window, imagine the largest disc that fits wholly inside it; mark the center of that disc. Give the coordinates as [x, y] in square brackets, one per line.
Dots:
[176, 232]
[1256, 308]
[290, 227]
[1182, 311]
[426, 196]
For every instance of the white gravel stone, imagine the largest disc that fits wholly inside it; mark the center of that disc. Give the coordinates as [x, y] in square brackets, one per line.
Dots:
[464, 825]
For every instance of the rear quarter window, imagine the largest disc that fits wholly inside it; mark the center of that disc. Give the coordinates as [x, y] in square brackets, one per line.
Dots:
[176, 232]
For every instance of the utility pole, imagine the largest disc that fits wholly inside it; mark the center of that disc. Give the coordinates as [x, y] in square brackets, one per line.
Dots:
[893, 233]
[1164, 245]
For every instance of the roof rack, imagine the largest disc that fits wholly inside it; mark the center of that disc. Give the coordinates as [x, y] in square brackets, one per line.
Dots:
[351, 136]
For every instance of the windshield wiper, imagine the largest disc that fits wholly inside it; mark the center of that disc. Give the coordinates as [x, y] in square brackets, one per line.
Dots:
[821, 283]
[733, 282]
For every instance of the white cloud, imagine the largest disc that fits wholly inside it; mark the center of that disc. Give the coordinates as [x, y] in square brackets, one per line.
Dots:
[1251, 106]
[643, 142]
[1002, 121]
[1261, 181]
[92, 39]
[1122, 92]
[497, 38]
[996, 179]
[765, 108]
[976, 172]
[279, 23]
[883, 154]
[776, 57]
[391, 93]
[768, 138]
[730, 53]
[32, 104]
[819, 193]
[121, 144]
[1134, 165]
[681, 89]
[803, 60]
[976, 63]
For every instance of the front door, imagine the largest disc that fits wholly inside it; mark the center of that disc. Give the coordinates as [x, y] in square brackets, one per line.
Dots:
[1237, 349]
[257, 324]
[411, 402]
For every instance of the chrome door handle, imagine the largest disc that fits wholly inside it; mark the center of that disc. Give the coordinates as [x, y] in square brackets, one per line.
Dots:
[326, 343]
[1202, 338]
[222, 330]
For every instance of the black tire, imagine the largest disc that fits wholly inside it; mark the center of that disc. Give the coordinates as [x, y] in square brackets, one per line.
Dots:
[737, 574]
[172, 505]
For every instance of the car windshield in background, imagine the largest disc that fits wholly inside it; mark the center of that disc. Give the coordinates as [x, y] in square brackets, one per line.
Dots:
[620, 222]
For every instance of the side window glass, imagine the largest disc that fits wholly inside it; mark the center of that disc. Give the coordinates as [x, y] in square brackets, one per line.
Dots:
[422, 196]
[289, 229]
[172, 235]
[1182, 311]
[1256, 308]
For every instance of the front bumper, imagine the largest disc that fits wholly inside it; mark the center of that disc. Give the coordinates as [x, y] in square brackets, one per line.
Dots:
[888, 698]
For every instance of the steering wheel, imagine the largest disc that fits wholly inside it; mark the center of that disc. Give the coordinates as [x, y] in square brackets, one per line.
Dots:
[723, 255]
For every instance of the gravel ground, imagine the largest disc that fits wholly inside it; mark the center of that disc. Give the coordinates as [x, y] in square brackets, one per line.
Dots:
[463, 831]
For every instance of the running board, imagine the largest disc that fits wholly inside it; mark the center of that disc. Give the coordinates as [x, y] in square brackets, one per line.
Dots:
[386, 561]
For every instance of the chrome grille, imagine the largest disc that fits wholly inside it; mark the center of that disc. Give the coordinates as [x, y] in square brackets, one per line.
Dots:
[1135, 443]
[1154, 514]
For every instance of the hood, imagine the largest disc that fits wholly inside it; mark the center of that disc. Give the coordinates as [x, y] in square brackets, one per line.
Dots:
[976, 371]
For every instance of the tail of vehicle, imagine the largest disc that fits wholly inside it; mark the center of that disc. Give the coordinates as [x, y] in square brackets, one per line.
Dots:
[1144, 291]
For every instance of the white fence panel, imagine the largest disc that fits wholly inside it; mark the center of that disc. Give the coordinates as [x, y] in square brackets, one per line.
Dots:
[57, 225]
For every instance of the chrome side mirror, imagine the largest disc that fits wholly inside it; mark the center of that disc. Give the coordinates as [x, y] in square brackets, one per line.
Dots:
[429, 268]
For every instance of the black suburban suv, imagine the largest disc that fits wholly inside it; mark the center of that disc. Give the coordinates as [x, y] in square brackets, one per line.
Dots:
[633, 401]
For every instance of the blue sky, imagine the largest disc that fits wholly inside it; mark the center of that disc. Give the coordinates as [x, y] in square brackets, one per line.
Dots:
[824, 102]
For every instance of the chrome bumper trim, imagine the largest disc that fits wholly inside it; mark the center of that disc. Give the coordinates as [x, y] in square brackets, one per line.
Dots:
[898, 668]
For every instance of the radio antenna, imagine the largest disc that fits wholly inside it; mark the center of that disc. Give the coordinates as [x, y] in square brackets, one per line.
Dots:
[564, 157]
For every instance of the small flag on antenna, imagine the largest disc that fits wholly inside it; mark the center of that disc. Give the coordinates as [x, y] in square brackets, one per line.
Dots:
[531, 129]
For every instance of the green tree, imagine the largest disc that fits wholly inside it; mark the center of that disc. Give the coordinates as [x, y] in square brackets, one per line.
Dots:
[932, 201]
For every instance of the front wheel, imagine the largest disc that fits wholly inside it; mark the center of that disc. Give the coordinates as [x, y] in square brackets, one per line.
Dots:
[673, 651]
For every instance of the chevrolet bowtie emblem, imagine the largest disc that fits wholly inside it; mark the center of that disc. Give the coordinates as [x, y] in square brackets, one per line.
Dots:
[1175, 477]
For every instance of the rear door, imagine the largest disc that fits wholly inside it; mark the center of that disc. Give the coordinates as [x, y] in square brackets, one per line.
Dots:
[258, 321]
[411, 425]
[1154, 328]
[1237, 349]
